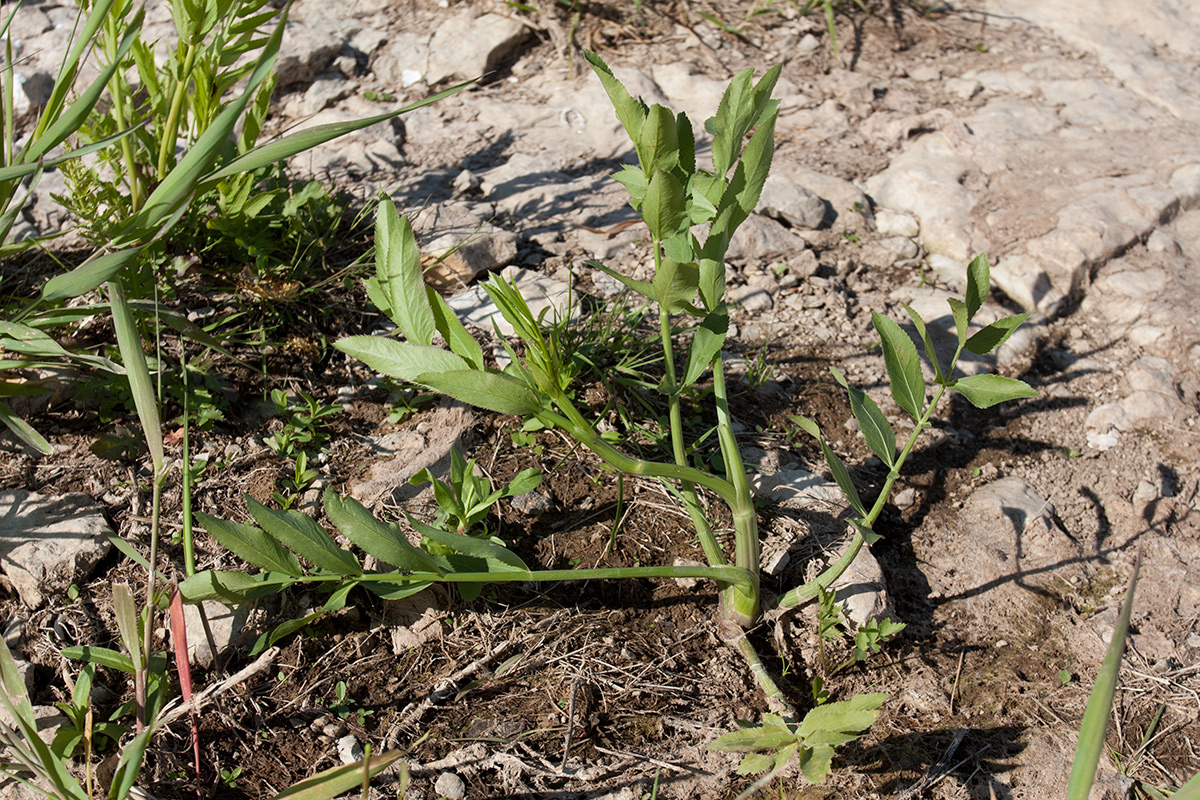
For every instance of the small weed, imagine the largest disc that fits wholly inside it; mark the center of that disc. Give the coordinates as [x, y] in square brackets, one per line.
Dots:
[301, 431]
[229, 777]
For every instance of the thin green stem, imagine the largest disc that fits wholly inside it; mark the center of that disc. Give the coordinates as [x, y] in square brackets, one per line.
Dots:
[120, 96]
[571, 421]
[722, 574]
[801, 594]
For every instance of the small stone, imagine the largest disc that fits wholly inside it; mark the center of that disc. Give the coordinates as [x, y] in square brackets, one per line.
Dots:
[1146, 492]
[533, 504]
[804, 264]
[466, 46]
[409, 77]
[807, 44]
[1161, 242]
[751, 298]
[349, 750]
[905, 498]
[792, 203]
[47, 543]
[1193, 641]
[1001, 644]
[450, 786]
[962, 88]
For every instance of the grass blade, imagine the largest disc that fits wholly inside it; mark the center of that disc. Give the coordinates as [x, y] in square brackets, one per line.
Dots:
[1099, 707]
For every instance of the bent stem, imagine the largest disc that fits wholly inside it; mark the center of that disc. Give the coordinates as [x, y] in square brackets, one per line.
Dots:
[802, 594]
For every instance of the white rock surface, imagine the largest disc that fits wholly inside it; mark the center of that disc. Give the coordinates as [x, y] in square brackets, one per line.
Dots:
[47, 543]
[466, 46]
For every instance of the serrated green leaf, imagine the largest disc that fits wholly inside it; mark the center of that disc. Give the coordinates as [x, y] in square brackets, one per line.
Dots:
[961, 319]
[992, 336]
[251, 545]
[657, 142]
[755, 762]
[398, 270]
[399, 359]
[386, 542]
[923, 332]
[675, 285]
[903, 366]
[489, 390]
[871, 421]
[634, 181]
[707, 341]
[664, 206]
[816, 762]
[757, 160]
[835, 723]
[985, 391]
[304, 536]
[630, 112]
[978, 284]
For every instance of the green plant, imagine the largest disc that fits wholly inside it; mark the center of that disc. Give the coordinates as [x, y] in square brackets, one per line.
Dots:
[229, 777]
[301, 432]
[1099, 708]
[344, 709]
[465, 502]
[674, 196]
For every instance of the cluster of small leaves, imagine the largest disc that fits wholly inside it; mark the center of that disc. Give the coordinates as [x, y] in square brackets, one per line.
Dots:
[673, 194]
[868, 638]
[907, 382]
[771, 745]
[466, 500]
[281, 537]
[301, 432]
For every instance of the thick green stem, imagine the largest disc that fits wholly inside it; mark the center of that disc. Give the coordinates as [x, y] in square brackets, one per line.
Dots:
[171, 130]
[743, 609]
[802, 594]
[704, 531]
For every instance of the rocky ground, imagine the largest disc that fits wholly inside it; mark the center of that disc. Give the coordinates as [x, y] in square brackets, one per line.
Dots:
[1060, 138]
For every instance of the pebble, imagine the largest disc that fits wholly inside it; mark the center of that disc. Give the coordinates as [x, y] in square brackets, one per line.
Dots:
[1146, 492]
[349, 750]
[450, 786]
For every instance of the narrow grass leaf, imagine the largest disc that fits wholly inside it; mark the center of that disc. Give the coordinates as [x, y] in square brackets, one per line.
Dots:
[386, 542]
[871, 421]
[903, 365]
[129, 342]
[399, 359]
[1099, 707]
[496, 555]
[251, 545]
[130, 764]
[333, 782]
[102, 656]
[992, 336]
[125, 611]
[305, 537]
[21, 170]
[88, 275]
[707, 341]
[490, 390]
[985, 391]
[978, 284]
[69, 120]
[24, 431]
[460, 340]
[398, 269]
[1189, 791]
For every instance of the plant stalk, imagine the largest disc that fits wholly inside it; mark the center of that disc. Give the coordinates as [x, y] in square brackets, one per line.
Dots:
[802, 594]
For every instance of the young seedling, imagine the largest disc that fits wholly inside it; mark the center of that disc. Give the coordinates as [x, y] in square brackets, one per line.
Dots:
[465, 502]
